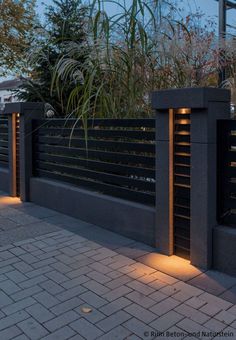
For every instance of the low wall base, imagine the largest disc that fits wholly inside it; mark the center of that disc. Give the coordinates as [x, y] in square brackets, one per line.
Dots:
[132, 220]
[4, 180]
[224, 249]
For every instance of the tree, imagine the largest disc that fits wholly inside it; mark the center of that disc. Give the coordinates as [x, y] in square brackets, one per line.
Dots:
[65, 22]
[17, 19]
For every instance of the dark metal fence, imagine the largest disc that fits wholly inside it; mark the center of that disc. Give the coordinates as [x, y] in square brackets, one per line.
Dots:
[114, 157]
[3, 141]
[227, 172]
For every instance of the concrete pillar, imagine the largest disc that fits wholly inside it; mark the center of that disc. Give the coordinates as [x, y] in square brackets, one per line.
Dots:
[207, 106]
[25, 113]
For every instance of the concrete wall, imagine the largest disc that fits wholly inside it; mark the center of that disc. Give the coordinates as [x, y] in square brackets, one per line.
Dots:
[4, 180]
[130, 219]
[224, 249]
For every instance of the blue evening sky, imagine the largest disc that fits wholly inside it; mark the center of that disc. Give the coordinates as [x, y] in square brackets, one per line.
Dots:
[209, 7]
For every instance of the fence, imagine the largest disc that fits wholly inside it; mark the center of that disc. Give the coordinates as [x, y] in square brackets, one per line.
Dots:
[116, 158]
[168, 182]
[3, 142]
[227, 172]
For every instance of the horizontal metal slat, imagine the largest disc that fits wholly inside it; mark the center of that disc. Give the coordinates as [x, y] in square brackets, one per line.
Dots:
[97, 176]
[106, 122]
[97, 165]
[98, 144]
[118, 157]
[98, 133]
[104, 188]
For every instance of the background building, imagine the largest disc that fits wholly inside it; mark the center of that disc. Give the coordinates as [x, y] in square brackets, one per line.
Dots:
[7, 94]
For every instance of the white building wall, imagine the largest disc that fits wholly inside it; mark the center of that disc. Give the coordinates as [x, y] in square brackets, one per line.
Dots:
[6, 96]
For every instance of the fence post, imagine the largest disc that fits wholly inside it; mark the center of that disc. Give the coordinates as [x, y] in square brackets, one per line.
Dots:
[20, 116]
[186, 170]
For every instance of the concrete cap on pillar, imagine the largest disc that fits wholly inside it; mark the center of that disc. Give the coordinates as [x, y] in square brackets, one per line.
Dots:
[21, 107]
[194, 98]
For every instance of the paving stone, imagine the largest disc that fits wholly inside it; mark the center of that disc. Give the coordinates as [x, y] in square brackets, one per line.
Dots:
[70, 293]
[21, 337]
[43, 263]
[140, 287]
[56, 276]
[100, 267]
[86, 329]
[215, 325]
[228, 333]
[99, 277]
[93, 299]
[96, 287]
[33, 282]
[195, 302]
[9, 287]
[5, 255]
[62, 334]
[118, 333]
[39, 271]
[32, 329]
[61, 267]
[46, 299]
[66, 306]
[140, 313]
[225, 317]
[16, 276]
[214, 299]
[115, 274]
[17, 251]
[94, 316]
[23, 267]
[232, 310]
[78, 272]
[192, 313]
[4, 300]
[156, 284]
[115, 306]
[17, 306]
[75, 282]
[117, 282]
[10, 333]
[158, 296]
[139, 328]
[164, 306]
[141, 299]
[40, 313]
[116, 293]
[51, 287]
[28, 258]
[165, 278]
[26, 293]
[210, 309]
[61, 321]
[13, 319]
[213, 282]
[113, 321]
[166, 321]
[193, 327]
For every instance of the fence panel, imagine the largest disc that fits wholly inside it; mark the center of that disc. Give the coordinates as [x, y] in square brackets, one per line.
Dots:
[227, 172]
[3, 141]
[112, 156]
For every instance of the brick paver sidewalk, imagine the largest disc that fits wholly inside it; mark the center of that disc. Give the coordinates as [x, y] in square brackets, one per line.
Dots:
[60, 285]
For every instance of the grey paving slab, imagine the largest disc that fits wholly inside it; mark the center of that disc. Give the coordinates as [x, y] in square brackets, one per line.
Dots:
[64, 282]
[86, 329]
[32, 329]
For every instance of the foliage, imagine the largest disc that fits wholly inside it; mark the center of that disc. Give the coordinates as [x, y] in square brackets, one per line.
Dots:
[17, 19]
[128, 55]
[65, 22]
